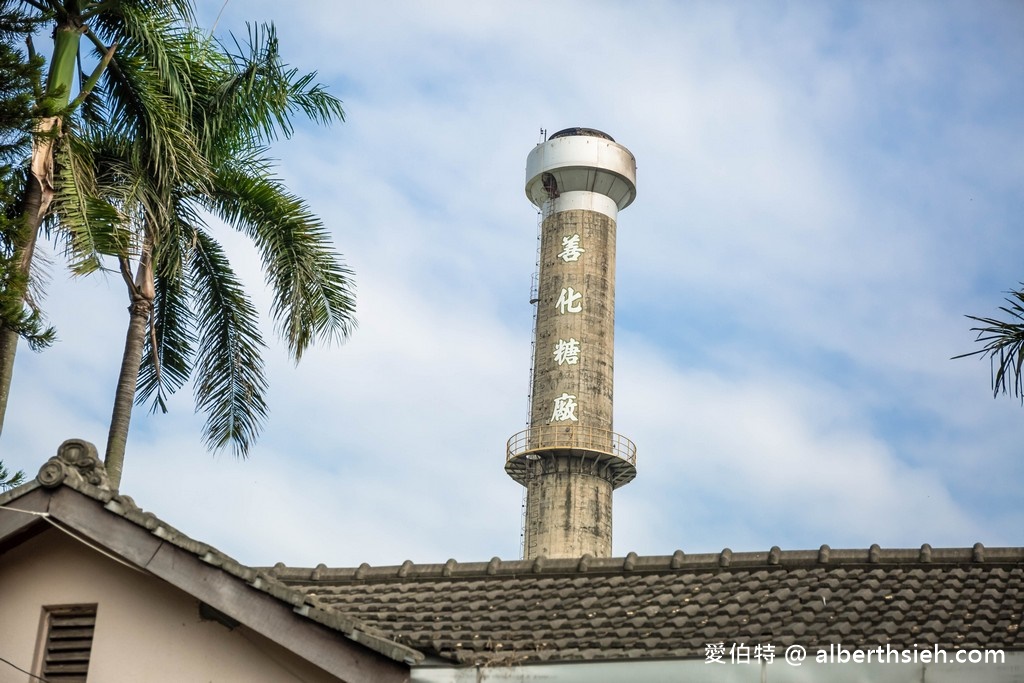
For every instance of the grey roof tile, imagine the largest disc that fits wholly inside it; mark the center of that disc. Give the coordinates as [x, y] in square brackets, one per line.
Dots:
[672, 606]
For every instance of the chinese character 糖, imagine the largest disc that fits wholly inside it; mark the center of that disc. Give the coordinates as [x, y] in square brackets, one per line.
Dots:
[567, 351]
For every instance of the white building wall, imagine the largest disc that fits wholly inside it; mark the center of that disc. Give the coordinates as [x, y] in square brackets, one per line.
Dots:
[698, 671]
[146, 630]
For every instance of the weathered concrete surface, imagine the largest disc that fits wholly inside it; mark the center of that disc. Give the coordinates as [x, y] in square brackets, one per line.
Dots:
[593, 276]
[568, 509]
[569, 498]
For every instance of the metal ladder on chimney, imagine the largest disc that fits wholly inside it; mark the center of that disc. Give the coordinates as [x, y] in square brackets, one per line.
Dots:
[542, 217]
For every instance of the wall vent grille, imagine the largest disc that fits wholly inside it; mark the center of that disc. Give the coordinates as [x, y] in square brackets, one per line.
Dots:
[68, 645]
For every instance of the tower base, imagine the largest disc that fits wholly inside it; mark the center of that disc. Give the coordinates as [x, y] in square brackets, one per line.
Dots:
[568, 507]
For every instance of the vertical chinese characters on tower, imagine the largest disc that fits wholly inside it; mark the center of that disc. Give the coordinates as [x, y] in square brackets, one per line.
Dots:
[570, 302]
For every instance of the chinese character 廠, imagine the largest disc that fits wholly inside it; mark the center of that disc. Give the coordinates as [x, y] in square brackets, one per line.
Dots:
[565, 409]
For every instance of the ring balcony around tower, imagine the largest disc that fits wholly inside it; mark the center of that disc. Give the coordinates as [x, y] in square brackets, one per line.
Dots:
[579, 179]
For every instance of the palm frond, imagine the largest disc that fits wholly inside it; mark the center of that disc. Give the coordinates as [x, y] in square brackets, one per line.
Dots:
[230, 384]
[167, 356]
[15, 20]
[146, 207]
[146, 109]
[1003, 345]
[158, 35]
[93, 112]
[313, 298]
[24, 320]
[167, 366]
[259, 97]
[105, 10]
[92, 226]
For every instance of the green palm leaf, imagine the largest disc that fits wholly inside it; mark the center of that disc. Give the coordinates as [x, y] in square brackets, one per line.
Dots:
[262, 95]
[1003, 344]
[313, 297]
[146, 89]
[230, 383]
[168, 352]
[91, 225]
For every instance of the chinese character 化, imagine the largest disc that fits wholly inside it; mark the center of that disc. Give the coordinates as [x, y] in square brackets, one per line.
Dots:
[568, 301]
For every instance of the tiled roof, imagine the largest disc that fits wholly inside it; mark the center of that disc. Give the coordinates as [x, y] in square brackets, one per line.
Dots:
[674, 606]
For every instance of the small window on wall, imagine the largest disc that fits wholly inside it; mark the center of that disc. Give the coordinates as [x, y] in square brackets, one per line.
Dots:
[65, 653]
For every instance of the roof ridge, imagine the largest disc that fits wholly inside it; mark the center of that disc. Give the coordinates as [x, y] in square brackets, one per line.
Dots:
[678, 561]
[266, 582]
[78, 467]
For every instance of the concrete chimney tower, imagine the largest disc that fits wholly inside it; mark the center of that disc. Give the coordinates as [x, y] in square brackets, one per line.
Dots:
[569, 459]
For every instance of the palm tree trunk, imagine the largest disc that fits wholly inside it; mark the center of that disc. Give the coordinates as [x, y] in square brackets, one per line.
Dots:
[8, 347]
[38, 196]
[124, 399]
[143, 293]
[39, 186]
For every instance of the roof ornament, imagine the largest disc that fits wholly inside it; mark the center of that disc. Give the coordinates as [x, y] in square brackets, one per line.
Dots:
[449, 566]
[823, 552]
[875, 553]
[76, 463]
[677, 559]
[629, 564]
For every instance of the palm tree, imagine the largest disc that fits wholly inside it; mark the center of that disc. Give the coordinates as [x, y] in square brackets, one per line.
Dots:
[165, 127]
[20, 75]
[1004, 346]
[188, 309]
[58, 188]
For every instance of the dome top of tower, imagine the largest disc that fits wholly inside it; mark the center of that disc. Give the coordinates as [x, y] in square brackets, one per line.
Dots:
[592, 132]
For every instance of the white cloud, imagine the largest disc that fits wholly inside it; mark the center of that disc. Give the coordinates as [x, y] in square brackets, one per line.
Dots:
[780, 458]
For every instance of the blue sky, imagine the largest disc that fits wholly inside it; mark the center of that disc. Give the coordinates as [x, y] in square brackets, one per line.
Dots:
[824, 190]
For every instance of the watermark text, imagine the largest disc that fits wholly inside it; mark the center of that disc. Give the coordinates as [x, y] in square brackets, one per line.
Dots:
[796, 655]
